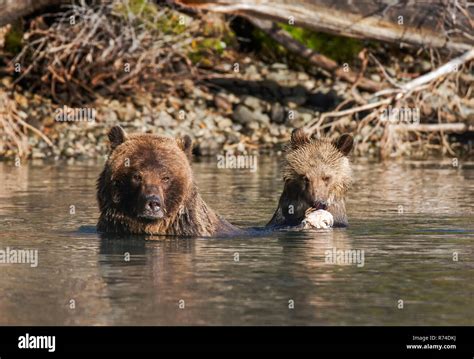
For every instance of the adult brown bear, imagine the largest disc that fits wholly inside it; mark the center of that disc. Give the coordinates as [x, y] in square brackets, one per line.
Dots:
[147, 187]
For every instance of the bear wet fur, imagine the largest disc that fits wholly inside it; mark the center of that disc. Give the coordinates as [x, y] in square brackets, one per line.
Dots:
[317, 174]
[147, 187]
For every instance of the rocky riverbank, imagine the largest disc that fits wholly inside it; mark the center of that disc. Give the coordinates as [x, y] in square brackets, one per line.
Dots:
[252, 110]
[221, 81]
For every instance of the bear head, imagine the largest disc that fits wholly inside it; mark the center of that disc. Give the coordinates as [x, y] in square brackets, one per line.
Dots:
[316, 172]
[147, 178]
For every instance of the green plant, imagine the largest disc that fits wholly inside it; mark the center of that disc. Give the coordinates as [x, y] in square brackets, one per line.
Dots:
[14, 39]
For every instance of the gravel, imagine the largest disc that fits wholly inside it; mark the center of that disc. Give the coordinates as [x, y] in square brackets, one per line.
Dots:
[256, 115]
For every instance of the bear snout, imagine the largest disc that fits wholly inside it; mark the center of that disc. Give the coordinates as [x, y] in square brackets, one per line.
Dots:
[153, 207]
[153, 203]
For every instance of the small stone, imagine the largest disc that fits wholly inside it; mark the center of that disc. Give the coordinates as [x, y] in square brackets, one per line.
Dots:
[277, 113]
[110, 117]
[302, 76]
[222, 103]
[237, 127]
[261, 117]
[242, 115]
[224, 123]
[37, 154]
[252, 102]
[274, 131]
[114, 104]
[69, 152]
[165, 120]
[220, 139]
[48, 121]
[251, 70]
[375, 78]
[21, 100]
[188, 86]
[209, 123]
[277, 77]
[253, 125]
[267, 138]
[425, 66]
[226, 67]
[6, 81]
[233, 138]
[143, 100]
[241, 147]
[127, 113]
[309, 85]
[306, 117]
[278, 66]
[174, 102]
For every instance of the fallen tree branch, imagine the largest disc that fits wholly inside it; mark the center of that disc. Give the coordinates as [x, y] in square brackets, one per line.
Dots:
[13, 129]
[427, 24]
[435, 127]
[10, 10]
[397, 93]
[447, 68]
[316, 124]
[34, 130]
[294, 46]
[403, 95]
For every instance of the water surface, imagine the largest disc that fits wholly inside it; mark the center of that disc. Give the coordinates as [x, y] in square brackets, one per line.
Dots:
[411, 219]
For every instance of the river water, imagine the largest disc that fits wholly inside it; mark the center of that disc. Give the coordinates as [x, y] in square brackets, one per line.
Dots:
[412, 221]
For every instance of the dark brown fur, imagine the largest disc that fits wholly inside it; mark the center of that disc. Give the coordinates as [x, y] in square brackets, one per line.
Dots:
[316, 173]
[142, 165]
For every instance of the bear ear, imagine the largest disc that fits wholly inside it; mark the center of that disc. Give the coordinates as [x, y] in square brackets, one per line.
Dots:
[117, 136]
[186, 144]
[344, 143]
[299, 137]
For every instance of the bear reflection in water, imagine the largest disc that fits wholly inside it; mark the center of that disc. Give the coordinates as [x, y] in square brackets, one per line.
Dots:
[147, 187]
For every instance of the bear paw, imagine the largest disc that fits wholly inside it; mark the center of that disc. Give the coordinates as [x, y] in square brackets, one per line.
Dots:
[318, 219]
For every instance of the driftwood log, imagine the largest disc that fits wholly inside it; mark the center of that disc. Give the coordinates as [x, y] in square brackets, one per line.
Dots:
[10, 10]
[444, 24]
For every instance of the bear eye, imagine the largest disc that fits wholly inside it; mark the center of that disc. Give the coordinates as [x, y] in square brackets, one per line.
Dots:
[326, 178]
[306, 179]
[136, 177]
[165, 179]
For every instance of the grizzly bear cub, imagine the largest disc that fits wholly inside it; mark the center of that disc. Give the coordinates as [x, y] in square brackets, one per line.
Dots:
[316, 174]
[147, 187]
